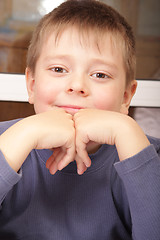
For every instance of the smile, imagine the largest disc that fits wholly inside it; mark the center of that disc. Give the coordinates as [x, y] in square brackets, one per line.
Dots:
[71, 109]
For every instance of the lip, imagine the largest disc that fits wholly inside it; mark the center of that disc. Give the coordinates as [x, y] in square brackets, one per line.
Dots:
[71, 108]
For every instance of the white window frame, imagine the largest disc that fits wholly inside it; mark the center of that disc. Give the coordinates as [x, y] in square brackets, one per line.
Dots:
[13, 88]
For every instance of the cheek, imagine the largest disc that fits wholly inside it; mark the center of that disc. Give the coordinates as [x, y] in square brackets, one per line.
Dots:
[108, 100]
[45, 97]
[104, 102]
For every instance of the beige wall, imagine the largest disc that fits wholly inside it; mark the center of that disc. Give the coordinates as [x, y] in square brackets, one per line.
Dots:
[144, 17]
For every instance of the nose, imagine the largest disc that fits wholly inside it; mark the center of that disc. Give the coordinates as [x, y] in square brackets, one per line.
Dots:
[78, 85]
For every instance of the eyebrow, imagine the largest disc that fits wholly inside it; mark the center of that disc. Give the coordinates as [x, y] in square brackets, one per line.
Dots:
[93, 62]
[58, 57]
[105, 63]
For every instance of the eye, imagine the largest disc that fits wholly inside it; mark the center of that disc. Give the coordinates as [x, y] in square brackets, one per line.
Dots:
[58, 70]
[100, 75]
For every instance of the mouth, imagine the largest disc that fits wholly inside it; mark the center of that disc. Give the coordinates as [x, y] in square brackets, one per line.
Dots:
[71, 109]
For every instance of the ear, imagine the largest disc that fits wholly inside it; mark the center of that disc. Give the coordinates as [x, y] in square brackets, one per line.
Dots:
[30, 82]
[128, 94]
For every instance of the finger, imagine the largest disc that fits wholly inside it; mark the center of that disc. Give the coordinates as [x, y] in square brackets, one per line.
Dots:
[53, 168]
[52, 157]
[81, 167]
[68, 157]
[54, 165]
[82, 140]
[82, 152]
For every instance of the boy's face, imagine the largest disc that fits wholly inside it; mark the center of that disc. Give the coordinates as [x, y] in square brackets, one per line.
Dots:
[74, 74]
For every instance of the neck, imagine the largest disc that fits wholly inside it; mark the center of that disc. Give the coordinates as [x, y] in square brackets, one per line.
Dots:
[93, 147]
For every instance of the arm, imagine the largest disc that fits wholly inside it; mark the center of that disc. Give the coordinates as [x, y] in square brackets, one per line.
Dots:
[8, 177]
[141, 177]
[38, 132]
[112, 128]
[139, 165]
[50, 130]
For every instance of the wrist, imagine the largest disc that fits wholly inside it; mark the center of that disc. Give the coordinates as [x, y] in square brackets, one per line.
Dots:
[130, 138]
[16, 143]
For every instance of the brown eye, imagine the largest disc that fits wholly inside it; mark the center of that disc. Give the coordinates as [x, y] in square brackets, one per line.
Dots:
[58, 70]
[101, 75]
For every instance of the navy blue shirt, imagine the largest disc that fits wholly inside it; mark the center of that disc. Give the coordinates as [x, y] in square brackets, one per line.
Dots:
[112, 200]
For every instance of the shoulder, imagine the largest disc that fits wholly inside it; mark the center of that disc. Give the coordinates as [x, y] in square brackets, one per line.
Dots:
[155, 142]
[7, 124]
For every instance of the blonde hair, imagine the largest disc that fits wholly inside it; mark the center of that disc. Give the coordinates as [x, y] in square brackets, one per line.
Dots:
[88, 16]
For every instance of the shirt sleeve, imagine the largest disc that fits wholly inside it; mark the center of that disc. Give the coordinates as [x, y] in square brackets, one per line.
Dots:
[141, 177]
[8, 177]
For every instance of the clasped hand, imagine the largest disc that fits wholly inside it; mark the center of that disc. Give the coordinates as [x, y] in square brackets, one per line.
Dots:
[73, 143]
[73, 137]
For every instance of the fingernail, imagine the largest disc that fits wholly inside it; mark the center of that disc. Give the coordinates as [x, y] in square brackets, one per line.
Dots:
[60, 166]
[79, 172]
[88, 165]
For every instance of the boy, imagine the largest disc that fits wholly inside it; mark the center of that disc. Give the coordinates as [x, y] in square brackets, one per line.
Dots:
[80, 78]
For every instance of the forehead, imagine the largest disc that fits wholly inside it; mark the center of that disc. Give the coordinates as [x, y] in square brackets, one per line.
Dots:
[86, 38]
